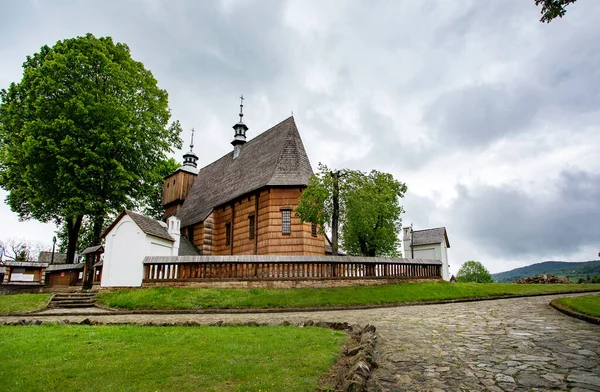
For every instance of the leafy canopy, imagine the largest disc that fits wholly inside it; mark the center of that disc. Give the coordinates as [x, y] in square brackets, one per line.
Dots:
[369, 209]
[83, 132]
[473, 271]
[552, 9]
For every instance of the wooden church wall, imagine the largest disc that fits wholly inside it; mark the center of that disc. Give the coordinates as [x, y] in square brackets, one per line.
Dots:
[211, 236]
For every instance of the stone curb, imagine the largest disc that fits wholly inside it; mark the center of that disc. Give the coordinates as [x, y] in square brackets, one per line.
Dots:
[570, 312]
[283, 310]
[363, 361]
[334, 325]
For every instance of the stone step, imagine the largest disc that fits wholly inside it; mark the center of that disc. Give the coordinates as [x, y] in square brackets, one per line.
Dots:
[78, 295]
[73, 300]
[76, 305]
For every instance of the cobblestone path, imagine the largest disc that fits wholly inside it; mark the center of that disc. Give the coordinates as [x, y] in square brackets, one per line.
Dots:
[516, 344]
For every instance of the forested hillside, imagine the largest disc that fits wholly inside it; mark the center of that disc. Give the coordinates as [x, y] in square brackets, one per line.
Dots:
[573, 270]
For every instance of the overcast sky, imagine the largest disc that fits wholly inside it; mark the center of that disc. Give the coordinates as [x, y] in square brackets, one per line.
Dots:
[490, 117]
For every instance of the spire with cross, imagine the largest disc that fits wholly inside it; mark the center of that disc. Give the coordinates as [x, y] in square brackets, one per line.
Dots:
[239, 138]
[241, 108]
[190, 159]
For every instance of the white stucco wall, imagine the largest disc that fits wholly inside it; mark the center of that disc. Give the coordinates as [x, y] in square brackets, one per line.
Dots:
[433, 251]
[125, 249]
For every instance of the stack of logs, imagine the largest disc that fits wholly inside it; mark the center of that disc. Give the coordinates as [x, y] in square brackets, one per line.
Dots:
[542, 279]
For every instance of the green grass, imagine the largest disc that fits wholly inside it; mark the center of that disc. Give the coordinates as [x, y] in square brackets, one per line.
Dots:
[22, 302]
[588, 304]
[138, 358]
[190, 298]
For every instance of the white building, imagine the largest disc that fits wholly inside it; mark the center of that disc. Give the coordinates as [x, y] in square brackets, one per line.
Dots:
[427, 244]
[130, 238]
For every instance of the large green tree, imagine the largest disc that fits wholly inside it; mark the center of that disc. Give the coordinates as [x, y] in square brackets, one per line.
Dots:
[552, 9]
[150, 205]
[365, 207]
[473, 271]
[82, 134]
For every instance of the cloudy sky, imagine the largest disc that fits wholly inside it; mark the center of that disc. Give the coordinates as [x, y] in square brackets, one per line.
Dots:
[490, 117]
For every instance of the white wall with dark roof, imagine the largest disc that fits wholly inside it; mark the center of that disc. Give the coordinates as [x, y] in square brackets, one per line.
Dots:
[126, 246]
[427, 246]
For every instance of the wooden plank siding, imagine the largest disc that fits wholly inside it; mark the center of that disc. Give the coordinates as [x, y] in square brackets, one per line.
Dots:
[175, 189]
[210, 236]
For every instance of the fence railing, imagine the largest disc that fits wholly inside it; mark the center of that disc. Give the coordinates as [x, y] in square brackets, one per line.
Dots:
[215, 268]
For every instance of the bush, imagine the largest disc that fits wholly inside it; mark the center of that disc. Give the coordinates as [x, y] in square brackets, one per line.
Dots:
[473, 271]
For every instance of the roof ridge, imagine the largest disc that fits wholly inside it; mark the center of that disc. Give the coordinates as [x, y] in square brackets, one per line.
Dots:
[249, 142]
[433, 228]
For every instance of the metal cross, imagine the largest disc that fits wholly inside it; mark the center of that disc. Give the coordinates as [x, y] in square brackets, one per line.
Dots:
[241, 106]
[192, 143]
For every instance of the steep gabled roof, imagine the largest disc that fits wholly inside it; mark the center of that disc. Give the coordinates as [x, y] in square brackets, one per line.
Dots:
[46, 257]
[275, 157]
[431, 236]
[148, 225]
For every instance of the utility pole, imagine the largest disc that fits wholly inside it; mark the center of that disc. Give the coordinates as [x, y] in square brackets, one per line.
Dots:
[336, 212]
[53, 245]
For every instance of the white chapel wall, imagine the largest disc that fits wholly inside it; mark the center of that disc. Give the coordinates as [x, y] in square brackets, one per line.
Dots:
[122, 260]
[126, 247]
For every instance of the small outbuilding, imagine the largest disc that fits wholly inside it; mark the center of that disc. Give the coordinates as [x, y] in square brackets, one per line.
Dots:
[24, 272]
[130, 238]
[65, 274]
[430, 244]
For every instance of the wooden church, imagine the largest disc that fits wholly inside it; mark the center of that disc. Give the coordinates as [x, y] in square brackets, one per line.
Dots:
[244, 202]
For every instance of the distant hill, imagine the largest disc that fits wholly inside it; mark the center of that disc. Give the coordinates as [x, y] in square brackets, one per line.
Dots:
[573, 270]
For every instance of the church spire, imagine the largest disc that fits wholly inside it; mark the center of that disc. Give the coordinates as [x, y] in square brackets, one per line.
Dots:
[239, 138]
[190, 159]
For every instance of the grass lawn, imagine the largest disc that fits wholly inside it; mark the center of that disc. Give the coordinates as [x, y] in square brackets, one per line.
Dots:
[190, 298]
[22, 302]
[138, 358]
[588, 304]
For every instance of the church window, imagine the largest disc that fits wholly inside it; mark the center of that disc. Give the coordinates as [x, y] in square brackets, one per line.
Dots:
[313, 229]
[252, 228]
[286, 221]
[227, 234]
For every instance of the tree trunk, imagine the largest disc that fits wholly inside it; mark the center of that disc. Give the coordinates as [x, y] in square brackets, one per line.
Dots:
[89, 259]
[98, 226]
[73, 226]
[336, 213]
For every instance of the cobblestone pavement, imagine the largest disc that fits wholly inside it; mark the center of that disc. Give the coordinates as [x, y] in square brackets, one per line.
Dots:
[516, 344]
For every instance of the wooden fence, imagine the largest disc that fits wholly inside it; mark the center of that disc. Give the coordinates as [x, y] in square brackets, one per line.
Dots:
[248, 268]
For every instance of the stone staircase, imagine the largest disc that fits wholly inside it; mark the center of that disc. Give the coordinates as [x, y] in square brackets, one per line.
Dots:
[72, 300]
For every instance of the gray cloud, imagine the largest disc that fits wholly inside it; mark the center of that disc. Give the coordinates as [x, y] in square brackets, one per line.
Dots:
[507, 221]
[478, 115]
[423, 89]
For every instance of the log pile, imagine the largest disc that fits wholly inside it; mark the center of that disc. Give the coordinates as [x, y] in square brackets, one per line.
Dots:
[543, 279]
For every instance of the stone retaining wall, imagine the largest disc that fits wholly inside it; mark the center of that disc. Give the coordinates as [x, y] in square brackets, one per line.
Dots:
[286, 284]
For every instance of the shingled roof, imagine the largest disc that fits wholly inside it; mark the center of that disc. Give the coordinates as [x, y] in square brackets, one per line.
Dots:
[275, 157]
[46, 257]
[431, 236]
[148, 225]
